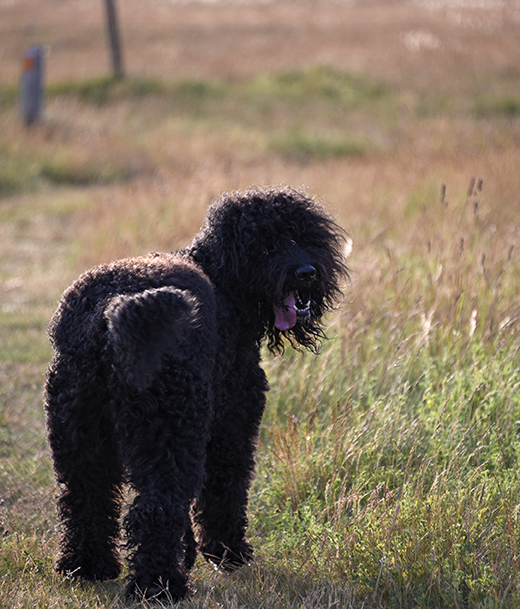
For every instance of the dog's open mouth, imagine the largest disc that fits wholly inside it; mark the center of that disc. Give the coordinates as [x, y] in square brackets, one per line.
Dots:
[295, 308]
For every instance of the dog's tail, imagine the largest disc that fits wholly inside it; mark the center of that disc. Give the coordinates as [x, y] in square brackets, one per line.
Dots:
[146, 326]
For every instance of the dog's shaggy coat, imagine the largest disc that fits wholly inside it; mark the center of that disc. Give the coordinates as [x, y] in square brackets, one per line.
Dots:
[156, 381]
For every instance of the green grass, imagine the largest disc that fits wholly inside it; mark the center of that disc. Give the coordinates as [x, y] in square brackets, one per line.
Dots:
[395, 473]
[103, 89]
[388, 464]
[403, 489]
[303, 146]
[313, 114]
[508, 106]
[8, 95]
[21, 173]
[298, 87]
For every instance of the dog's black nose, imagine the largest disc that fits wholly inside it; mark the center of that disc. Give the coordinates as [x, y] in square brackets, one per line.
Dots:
[306, 273]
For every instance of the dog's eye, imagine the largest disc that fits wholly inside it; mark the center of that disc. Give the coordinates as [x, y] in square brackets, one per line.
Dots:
[293, 242]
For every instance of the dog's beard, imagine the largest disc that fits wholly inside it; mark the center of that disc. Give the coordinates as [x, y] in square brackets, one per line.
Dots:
[305, 335]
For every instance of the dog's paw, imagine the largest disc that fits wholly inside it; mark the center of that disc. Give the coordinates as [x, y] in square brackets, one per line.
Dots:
[228, 558]
[144, 587]
[95, 568]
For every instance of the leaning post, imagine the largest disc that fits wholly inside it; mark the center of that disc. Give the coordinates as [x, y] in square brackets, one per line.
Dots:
[114, 39]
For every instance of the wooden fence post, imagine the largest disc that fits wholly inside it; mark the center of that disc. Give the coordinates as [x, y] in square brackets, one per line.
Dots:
[114, 39]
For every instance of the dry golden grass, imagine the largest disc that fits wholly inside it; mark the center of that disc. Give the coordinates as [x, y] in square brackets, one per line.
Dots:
[418, 42]
[447, 51]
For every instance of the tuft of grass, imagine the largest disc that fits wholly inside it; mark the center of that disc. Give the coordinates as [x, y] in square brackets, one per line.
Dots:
[304, 147]
[103, 89]
[64, 173]
[502, 106]
[28, 173]
[8, 96]
[298, 86]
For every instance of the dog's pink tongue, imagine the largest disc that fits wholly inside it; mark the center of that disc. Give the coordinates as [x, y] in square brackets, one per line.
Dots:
[285, 315]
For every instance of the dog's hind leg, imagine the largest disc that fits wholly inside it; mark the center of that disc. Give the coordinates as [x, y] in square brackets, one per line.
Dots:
[87, 470]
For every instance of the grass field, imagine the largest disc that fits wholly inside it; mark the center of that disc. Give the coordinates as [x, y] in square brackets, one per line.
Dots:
[388, 464]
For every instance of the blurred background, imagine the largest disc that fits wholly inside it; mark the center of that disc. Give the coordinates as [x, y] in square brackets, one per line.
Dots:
[363, 102]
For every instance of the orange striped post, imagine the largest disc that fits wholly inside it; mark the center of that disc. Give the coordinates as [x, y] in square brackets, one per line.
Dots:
[31, 85]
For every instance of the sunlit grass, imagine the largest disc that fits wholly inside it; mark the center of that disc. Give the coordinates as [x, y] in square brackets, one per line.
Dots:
[396, 466]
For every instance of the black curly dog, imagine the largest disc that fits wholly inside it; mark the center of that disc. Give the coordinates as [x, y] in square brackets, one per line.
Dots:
[156, 381]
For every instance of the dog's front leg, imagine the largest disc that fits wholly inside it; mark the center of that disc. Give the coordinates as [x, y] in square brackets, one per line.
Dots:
[220, 514]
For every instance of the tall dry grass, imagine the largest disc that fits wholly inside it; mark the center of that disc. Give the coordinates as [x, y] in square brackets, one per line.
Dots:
[396, 469]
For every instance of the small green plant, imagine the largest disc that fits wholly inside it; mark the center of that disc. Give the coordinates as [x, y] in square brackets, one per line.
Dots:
[103, 89]
[488, 106]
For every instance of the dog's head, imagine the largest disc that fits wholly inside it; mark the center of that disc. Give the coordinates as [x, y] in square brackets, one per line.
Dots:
[279, 257]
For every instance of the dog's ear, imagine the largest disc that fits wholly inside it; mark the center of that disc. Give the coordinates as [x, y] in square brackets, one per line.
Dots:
[225, 246]
[144, 327]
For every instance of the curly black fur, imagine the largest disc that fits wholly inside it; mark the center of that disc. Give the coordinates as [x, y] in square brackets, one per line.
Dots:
[156, 381]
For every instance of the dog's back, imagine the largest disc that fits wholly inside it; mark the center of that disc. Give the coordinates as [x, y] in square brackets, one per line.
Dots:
[135, 310]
